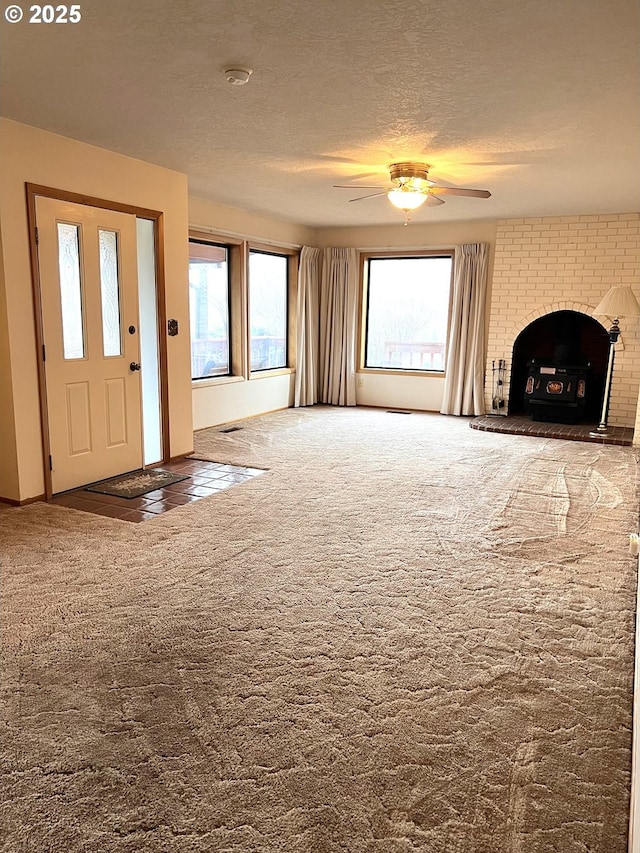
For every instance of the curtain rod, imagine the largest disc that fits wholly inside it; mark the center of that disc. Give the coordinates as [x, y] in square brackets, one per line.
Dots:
[223, 232]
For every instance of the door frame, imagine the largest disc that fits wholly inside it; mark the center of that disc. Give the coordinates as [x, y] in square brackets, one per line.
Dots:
[32, 192]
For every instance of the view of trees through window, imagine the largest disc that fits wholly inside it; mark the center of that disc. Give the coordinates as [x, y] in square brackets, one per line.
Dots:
[268, 279]
[407, 312]
[209, 309]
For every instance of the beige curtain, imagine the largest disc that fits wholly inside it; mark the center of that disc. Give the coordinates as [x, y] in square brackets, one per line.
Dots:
[338, 298]
[464, 383]
[307, 361]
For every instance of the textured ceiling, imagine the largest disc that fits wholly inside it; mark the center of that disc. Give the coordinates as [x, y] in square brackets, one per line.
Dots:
[536, 100]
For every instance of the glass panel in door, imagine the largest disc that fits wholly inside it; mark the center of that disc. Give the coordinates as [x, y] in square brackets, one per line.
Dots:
[110, 293]
[70, 290]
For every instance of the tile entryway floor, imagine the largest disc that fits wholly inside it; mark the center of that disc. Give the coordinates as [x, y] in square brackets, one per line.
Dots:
[204, 479]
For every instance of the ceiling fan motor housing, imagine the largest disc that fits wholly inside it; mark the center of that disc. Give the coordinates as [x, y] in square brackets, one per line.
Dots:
[412, 174]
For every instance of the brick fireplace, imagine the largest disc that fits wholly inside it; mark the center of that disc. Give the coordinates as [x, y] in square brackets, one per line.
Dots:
[548, 275]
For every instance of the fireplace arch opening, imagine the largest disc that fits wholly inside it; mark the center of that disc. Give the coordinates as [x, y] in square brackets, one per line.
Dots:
[562, 339]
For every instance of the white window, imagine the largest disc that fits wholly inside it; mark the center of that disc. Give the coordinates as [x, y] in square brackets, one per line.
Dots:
[209, 286]
[406, 320]
[268, 310]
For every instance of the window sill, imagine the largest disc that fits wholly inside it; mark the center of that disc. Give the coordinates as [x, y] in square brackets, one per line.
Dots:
[276, 371]
[215, 380]
[390, 371]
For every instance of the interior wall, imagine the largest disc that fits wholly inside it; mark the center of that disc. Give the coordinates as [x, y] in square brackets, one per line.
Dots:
[207, 215]
[28, 154]
[237, 399]
[392, 390]
[219, 401]
[8, 455]
[557, 263]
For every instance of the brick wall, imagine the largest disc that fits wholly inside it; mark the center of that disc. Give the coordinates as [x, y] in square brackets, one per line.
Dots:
[557, 263]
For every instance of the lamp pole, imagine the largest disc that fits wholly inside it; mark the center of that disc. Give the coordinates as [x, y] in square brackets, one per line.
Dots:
[602, 428]
[618, 302]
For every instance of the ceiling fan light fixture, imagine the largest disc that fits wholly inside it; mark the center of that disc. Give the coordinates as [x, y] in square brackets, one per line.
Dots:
[405, 198]
[412, 188]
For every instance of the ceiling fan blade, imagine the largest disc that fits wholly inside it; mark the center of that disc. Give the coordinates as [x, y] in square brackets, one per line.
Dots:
[371, 195]
[433, 200]
[460, 191]
[364, 175]
[357, 187]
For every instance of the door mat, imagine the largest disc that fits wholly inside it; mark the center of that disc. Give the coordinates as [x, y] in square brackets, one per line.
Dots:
[137, 483]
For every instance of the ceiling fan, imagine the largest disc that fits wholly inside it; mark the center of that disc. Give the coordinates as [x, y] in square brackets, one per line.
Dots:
[412, 188]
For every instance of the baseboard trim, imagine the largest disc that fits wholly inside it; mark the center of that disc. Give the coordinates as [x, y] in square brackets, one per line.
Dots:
[13, 502]
[396, 408]
[179, 458]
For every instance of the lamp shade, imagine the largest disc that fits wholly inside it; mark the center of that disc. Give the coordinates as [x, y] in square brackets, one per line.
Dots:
[406, 198]
[619, 302]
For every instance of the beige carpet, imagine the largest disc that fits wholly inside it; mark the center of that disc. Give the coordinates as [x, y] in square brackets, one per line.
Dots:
[406, 636]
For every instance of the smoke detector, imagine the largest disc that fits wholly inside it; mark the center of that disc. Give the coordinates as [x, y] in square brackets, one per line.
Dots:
[238, 76]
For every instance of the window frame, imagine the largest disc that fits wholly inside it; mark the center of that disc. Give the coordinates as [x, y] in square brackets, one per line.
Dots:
[292, 256]
[363, 313]
[235, 261]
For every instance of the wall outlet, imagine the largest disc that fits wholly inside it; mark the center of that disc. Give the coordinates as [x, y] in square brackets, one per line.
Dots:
[360, 383]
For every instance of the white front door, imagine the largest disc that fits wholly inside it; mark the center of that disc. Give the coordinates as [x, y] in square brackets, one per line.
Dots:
[89, 289]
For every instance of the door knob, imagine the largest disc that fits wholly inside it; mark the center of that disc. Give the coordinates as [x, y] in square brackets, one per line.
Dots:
[134, 366]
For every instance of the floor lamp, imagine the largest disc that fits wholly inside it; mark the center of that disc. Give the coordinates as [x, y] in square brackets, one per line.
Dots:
[619, 302]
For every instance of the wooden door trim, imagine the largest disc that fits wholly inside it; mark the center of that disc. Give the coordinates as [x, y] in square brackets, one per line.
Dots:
[32, 193]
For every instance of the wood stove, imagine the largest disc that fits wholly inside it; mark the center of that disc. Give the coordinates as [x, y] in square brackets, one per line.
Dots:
[556, 392]
[566, 340]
